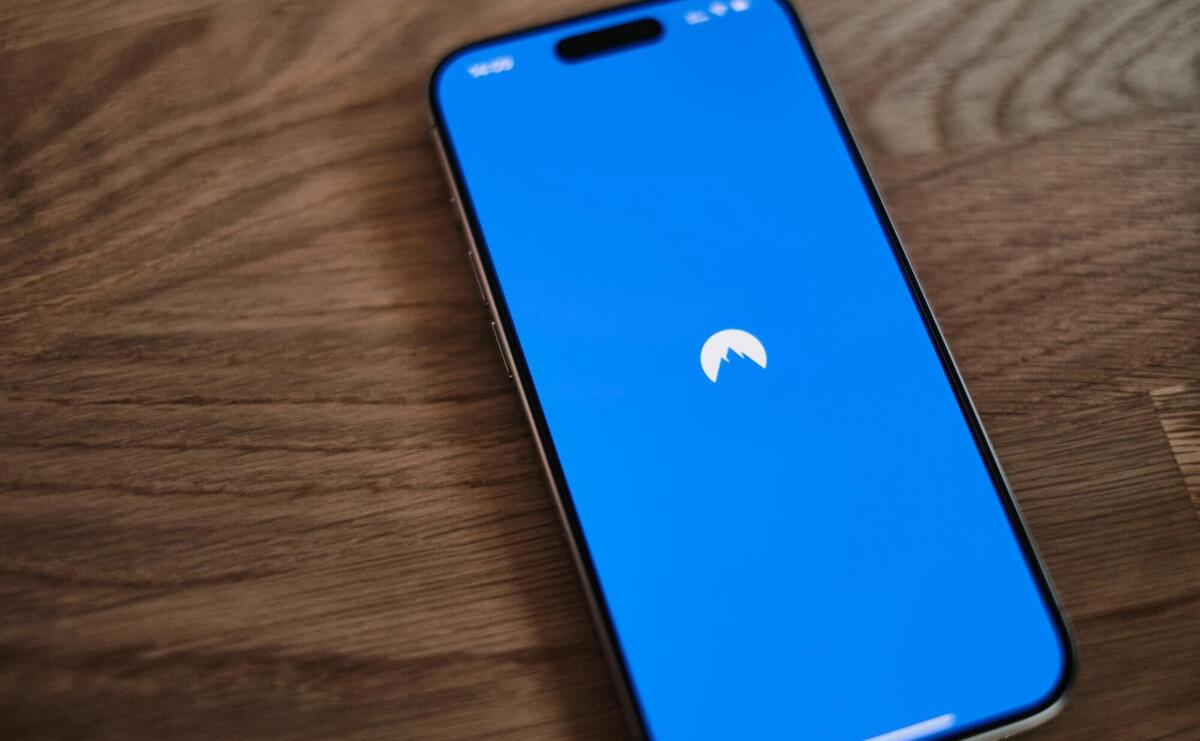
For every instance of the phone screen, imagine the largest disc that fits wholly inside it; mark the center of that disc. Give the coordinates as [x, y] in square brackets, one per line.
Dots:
[791, 525]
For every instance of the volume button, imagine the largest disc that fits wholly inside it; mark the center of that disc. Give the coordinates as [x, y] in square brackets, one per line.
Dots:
[500, 346]
[459, 212]
[474, 260]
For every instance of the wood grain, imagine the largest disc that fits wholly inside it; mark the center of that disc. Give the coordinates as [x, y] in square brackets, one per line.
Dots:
[262, 475]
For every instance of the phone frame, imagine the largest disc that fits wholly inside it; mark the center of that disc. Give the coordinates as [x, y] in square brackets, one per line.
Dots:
[1020, 719]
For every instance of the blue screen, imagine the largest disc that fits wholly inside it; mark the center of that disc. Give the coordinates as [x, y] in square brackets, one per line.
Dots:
[810, 545]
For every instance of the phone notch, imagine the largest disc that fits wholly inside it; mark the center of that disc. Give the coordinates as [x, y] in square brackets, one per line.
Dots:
[608, 40]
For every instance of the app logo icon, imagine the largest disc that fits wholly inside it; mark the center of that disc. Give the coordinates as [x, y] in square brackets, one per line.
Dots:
[716, 350]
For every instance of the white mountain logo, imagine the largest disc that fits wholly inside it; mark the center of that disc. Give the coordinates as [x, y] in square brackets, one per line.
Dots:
[716, 350]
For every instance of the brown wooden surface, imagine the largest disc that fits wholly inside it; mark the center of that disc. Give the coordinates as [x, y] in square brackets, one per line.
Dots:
[262, 476]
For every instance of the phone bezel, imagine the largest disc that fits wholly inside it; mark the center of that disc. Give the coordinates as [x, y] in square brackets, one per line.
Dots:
[1020, 718]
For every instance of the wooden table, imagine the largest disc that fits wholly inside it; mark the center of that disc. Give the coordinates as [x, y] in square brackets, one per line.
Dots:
[262, 475]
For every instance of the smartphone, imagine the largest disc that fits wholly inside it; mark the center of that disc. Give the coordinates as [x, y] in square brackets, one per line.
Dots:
[786, 515]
